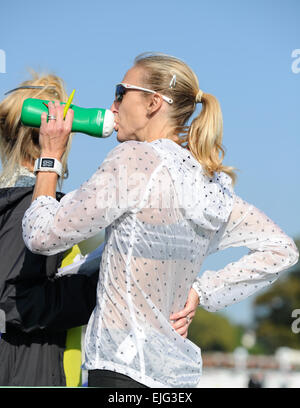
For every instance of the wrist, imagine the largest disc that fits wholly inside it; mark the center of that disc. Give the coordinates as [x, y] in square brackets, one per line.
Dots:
[47, 174]
[196, 292]
[57, 156]
[45, 185]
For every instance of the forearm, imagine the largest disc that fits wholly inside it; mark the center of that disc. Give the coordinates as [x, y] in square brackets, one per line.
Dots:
[239, 280]
[53, 139]
[45, 184]
[271, 253]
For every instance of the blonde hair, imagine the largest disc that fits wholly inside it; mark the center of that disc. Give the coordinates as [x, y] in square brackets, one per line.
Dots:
[20, 144]
[172, 77]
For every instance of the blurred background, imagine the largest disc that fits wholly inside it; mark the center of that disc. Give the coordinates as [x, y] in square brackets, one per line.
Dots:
[247, 54]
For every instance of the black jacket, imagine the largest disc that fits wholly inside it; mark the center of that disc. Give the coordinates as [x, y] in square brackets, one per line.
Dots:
[29, 295]
[38, 307]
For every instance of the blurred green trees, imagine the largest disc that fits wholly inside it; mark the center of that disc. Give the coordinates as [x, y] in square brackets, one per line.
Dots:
[214, 332]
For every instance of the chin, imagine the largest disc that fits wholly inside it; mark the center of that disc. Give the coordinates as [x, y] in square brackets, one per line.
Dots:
[125, 136]
[120, 138]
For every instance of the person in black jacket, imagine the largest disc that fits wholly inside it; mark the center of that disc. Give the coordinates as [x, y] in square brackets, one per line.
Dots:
[38, 307]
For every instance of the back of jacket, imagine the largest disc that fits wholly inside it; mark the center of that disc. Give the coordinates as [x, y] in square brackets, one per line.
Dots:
[30, 296]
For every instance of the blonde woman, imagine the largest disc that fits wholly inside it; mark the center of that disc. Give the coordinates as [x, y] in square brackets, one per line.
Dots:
[38, 308]
[166, 201]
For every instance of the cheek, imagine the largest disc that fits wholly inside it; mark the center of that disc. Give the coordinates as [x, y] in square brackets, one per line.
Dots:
[131, 116]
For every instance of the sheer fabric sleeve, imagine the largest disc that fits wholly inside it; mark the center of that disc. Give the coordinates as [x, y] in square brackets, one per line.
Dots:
[271, 252]
[118, 186]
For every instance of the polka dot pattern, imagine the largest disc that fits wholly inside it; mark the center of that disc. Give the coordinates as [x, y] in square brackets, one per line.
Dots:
[162, 217]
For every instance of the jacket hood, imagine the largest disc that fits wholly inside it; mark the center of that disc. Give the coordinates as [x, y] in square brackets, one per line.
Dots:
[206, 201]
[12, 195]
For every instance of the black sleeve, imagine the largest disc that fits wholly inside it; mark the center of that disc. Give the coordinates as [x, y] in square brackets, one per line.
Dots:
[56, 304]
[30, 295]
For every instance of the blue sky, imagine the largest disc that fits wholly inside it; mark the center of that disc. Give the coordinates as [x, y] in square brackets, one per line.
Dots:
[241, 51]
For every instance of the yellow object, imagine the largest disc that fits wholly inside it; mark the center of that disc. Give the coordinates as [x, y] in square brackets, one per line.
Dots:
[72, 358]
[72, 354]
[69, 101]
[70, 255]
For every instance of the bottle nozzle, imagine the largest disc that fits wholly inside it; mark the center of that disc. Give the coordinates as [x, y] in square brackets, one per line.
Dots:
[109, 123]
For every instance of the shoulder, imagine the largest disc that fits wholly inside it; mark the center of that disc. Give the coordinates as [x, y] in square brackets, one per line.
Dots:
[134, 147]
[134, 152]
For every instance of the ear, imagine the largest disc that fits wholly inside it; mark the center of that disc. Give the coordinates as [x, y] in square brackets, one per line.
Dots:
[154, 105]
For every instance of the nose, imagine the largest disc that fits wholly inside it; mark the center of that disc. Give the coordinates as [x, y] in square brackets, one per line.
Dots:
[114, 107]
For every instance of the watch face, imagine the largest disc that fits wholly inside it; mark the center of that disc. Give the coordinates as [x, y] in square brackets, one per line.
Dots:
[47, 163]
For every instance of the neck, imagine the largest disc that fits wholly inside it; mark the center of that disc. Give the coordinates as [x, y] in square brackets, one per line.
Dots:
[158, 130]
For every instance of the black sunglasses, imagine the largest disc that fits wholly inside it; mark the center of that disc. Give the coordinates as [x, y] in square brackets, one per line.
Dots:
[120, 92]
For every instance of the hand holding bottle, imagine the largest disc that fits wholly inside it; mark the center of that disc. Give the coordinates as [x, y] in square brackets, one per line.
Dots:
[55, 131]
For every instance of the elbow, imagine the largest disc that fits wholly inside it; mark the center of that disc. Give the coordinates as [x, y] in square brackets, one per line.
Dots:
[29, 237]
[33, 244]
[36, 238]
[289, 253]
[34, 241]
[29, 233]
[39, 245]
[293, 253]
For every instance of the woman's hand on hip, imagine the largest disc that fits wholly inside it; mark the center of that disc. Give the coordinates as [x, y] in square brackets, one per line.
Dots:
[55, 133]
[181, 320]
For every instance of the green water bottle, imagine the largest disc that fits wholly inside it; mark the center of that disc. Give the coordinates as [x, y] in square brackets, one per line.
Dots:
[91, 121]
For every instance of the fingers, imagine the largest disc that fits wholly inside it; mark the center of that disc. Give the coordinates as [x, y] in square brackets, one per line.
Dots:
[57, 110]
[183, 322]
[188, 310]
[190, 307]
[43, 119]
[51, 108]
[178, 315]
[181, 326]
[55, 132]
[52, 112]
[182, 319]
[59, 113]
[183, 331]
[69, 120]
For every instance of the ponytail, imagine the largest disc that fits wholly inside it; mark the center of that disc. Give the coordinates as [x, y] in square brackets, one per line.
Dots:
[205, 136]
